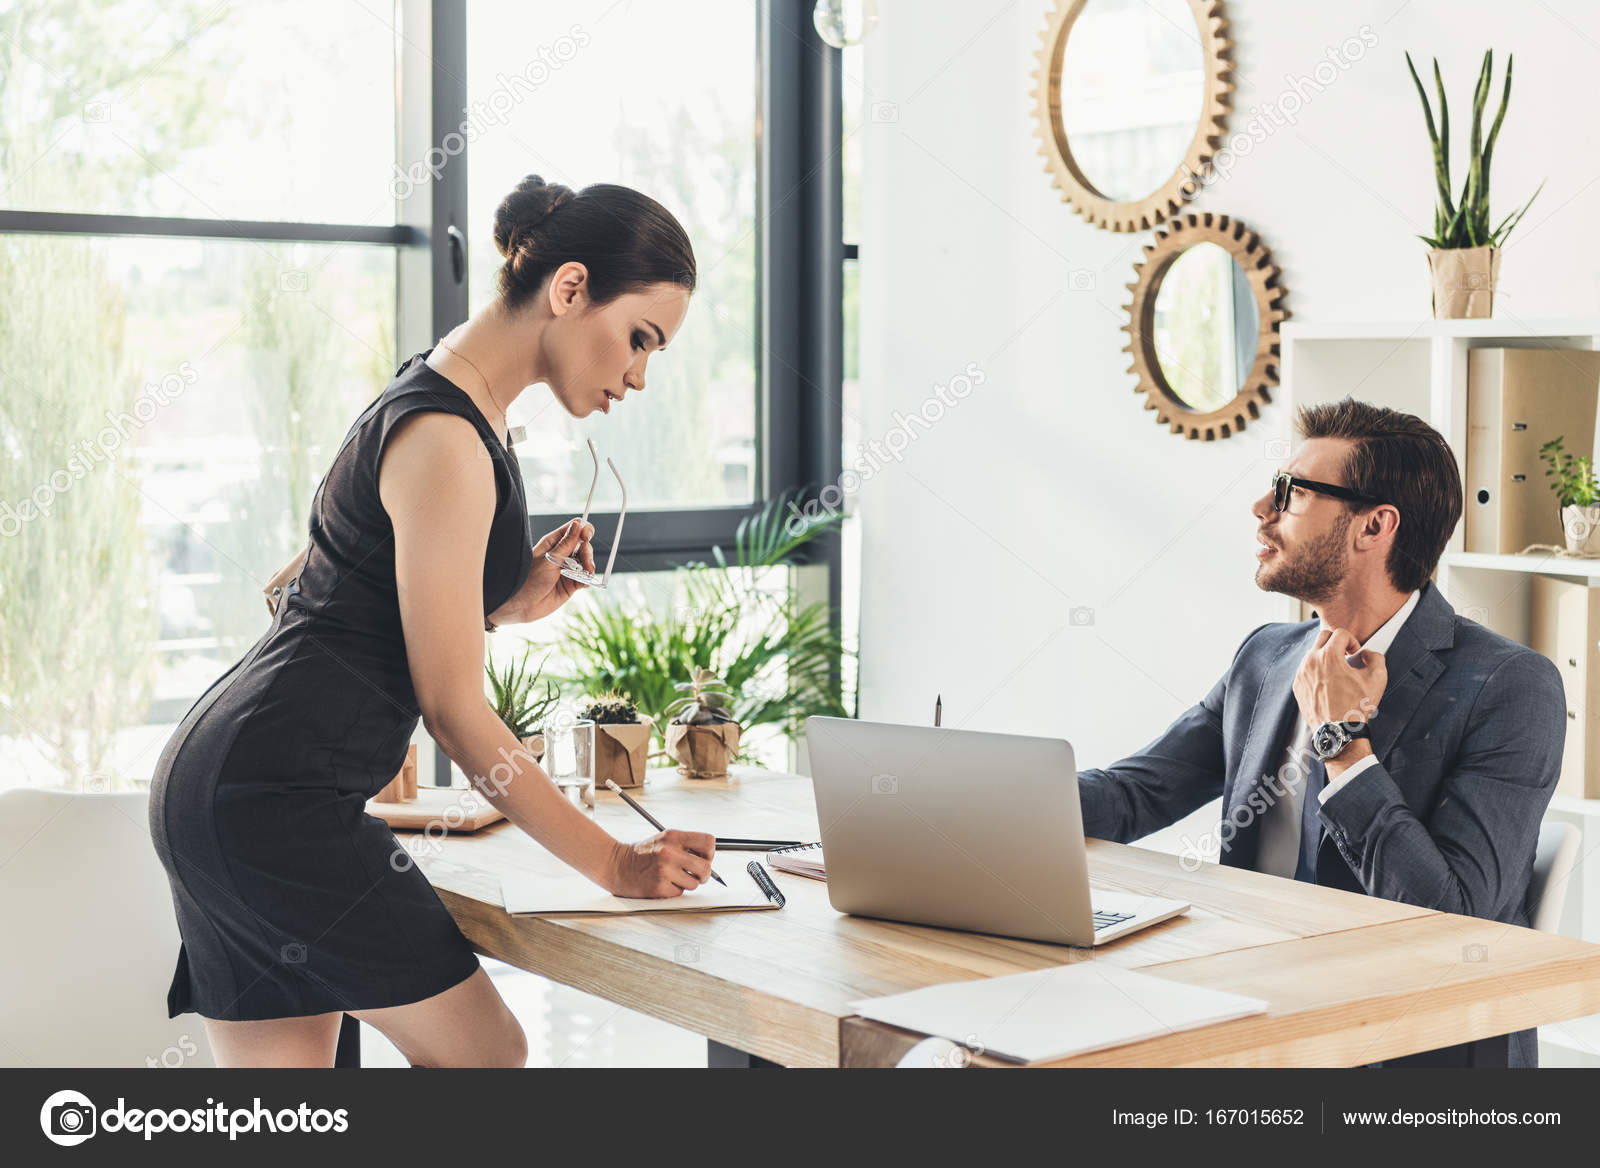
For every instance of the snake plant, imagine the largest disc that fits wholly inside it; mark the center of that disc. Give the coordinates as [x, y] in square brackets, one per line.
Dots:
[1464, 221]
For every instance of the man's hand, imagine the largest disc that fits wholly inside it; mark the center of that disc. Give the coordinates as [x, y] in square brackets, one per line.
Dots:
[1329, 688]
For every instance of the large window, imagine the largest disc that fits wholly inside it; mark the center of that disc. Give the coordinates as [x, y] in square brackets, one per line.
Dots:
[264, 111]
[213, 253]
[591, 91]
[173, 378]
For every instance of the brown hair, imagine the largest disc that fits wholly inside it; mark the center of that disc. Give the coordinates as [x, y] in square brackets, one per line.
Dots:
[624, 238]
[1401, 460]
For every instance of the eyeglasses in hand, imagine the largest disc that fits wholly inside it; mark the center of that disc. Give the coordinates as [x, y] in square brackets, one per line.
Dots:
[571, 568]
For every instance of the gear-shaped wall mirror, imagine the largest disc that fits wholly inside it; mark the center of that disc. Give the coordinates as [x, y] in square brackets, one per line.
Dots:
[1132, 100]
[1203, 325]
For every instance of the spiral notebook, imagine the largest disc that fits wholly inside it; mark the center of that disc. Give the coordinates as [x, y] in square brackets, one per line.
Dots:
[801, 860]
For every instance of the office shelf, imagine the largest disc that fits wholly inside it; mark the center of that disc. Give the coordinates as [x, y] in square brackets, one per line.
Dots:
[1497, 328]
[1547, 565]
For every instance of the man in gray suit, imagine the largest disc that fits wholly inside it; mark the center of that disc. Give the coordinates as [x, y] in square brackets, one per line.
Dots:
[1391, 747]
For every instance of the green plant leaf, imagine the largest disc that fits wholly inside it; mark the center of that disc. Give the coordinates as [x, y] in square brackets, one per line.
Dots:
[1505, 229]
[1488, 149]
[1441, 149]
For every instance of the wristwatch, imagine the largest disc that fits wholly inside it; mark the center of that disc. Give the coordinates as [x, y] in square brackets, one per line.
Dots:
[1330, 738]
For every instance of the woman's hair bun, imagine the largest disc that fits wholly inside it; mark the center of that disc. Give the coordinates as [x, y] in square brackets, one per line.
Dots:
[623, 239]
[521, 212]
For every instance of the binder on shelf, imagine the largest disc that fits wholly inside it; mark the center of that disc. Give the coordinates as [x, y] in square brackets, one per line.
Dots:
[1566, 628]
[1517, 400]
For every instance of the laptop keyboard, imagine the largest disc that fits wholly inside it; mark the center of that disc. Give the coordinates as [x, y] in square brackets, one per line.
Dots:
[1104, 919]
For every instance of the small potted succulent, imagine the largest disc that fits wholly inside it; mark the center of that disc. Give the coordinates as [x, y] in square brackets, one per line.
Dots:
[1579, 495]
[703, 734]
[621, 740]
[519, 703]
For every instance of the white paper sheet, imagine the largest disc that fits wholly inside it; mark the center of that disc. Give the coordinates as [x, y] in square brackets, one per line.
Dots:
[1052, 1013]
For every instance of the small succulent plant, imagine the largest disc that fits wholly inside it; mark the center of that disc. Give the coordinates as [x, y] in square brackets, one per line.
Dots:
[705, 700]
[516, 697]
[1575, 483]
[611, 709]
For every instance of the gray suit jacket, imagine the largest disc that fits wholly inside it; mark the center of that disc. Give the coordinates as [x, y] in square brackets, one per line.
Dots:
[1468, 738]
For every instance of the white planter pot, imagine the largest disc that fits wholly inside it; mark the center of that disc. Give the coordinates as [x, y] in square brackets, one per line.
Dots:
[1582, 525]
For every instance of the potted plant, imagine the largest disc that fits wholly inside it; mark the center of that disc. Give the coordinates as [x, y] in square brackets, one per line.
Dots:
[703, 734]
[778, 653]
[1465, 255]
[518, 702]
[621, 740]
[1578, 492]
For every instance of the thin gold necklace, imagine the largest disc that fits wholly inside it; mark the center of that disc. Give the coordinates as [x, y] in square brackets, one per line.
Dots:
[479, 372]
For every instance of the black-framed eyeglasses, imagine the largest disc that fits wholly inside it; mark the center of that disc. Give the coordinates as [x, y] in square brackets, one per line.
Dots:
[1283, 484]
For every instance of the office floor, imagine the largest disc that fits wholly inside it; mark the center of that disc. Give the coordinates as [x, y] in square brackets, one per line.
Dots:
[569, 1028]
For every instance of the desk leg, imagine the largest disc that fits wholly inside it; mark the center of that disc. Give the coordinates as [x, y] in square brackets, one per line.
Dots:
[1485, 1052]
[348, 1052]
[718, 1056]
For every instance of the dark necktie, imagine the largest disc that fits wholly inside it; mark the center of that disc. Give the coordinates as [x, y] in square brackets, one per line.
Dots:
[1310, 824]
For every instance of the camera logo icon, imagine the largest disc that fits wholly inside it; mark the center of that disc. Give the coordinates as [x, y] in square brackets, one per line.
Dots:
[1081, 617]
[885, 784]
[67, 1118]
[294, 953]
[884, 111]
[1275, 449]
[292, 280]
[1081, 280]
[685, 953]
[1474, 953]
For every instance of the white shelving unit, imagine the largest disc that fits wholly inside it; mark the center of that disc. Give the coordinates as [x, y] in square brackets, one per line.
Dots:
[1421, 367]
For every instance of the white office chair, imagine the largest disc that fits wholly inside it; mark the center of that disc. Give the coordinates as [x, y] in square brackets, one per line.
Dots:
[90, 937]
[935, 1053]
[1552, 871]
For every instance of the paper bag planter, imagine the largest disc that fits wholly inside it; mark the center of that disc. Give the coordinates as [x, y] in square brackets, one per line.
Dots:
[621, 751]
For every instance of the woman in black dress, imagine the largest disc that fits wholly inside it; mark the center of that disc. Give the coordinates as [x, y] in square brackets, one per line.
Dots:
[295, 906]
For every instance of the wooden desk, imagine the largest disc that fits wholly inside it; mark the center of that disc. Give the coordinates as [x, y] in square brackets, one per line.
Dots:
[1350, 979]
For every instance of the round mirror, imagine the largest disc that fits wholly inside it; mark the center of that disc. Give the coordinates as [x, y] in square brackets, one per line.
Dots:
[1132, 92]
[1206, 324]
[1203, 325]
[1132, 98]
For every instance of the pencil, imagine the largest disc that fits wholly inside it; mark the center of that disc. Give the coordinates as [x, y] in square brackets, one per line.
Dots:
[653, 821]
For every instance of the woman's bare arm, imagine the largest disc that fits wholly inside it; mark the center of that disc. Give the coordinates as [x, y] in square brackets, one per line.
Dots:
[437, 484]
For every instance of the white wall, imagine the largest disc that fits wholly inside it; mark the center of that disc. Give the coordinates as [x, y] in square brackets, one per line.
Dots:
[1049, 487]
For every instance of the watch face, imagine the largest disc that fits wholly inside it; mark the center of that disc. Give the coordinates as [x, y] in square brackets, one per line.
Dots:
[1329, 739]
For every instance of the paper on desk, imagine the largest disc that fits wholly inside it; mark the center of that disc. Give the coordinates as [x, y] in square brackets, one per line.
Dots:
[529, 892]
[1052, 1013]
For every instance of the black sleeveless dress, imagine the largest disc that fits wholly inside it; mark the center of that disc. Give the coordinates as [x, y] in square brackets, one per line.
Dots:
[292, 900]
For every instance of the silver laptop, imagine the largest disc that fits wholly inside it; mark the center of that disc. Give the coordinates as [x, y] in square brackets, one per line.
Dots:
[966, 830]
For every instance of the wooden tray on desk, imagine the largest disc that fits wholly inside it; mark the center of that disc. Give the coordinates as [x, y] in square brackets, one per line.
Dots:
[441, 809]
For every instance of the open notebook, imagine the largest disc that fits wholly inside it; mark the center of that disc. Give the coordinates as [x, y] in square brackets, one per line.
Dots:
[531, 893]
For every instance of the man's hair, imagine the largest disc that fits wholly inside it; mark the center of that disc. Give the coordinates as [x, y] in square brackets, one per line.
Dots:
[1401, 460]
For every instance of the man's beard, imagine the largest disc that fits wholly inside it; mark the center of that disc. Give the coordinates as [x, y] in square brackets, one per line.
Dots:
[1314, 572]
